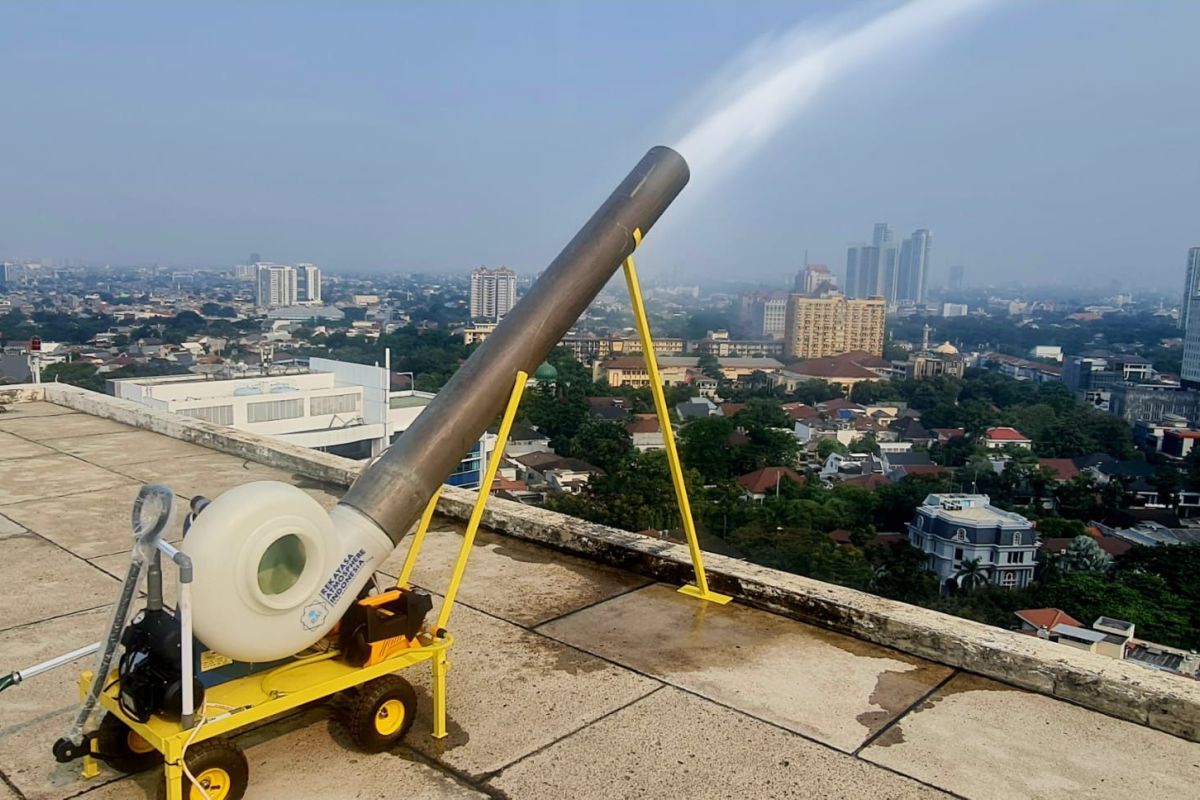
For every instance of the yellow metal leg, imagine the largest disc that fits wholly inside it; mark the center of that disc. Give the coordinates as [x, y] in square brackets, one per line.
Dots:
[485, 491]
[91, 767]
[700, 589]
[440, 665]
[174, 777]
[414, 549]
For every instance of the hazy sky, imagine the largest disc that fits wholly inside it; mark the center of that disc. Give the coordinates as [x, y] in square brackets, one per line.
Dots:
[1042, 140]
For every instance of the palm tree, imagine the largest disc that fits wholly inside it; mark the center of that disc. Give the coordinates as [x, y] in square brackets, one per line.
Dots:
[971, 574]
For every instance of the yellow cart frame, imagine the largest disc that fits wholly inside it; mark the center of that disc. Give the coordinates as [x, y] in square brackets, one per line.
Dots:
[257, 697]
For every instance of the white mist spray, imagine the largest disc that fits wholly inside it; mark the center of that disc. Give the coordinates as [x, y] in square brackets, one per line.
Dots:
[778, 77]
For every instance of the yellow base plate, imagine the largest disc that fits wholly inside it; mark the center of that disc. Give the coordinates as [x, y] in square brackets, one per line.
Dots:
[692, 590]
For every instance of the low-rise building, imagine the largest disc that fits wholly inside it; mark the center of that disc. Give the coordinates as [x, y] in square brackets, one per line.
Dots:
[844, 371]
[965, 538]
[944, 361]
[478, 332]
[646, 433]
[760, 483]
[678, 370]
[1004, 436]
[335, 406]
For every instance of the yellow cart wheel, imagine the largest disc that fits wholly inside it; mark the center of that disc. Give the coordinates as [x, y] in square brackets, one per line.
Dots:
[220, 768]
[124, 750]
[380, 713]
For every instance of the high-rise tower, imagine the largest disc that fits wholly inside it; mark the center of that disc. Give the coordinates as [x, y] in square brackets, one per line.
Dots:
[493, 293]
[914, 267]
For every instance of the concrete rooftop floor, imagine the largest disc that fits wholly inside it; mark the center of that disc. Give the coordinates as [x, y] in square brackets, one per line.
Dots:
[569, 679]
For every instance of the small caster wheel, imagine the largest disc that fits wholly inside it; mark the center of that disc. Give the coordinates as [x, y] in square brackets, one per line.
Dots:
[220, 768]
[380, 714]
[123, 749]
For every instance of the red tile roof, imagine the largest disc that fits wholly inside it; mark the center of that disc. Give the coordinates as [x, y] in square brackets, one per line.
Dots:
[625, 362]
[841, 536]
[1047, 617]
[647, 424]
[843, 366]
[872, 481]
[1063, 468]
[1005, 434]
[923, 469]
[763, 481]
[839, 404]
[799, 411]
[729, 409]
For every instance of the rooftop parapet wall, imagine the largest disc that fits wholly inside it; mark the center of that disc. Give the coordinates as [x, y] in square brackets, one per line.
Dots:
[1165, 702]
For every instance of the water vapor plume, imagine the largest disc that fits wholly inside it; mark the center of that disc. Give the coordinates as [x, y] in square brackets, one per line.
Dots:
[777, 77]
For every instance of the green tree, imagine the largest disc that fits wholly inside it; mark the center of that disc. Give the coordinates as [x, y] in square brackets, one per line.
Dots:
[1085, 555]
[710, 366]
[1060, 528]
[605, 444]
[972, 574]
[828, 446]
[76, 374]
[762, 413]
[704, 446]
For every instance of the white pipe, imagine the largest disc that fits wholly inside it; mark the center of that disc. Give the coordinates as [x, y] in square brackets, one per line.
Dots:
[55, 663]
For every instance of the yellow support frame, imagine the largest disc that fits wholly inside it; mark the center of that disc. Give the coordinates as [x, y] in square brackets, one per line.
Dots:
[700, 588]
[250, 699]
[267, 694]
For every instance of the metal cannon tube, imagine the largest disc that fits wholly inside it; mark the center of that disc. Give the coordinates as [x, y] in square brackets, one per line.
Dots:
[394, 490]
[275, 572]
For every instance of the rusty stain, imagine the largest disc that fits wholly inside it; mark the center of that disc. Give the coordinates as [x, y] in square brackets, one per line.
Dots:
[959, 684]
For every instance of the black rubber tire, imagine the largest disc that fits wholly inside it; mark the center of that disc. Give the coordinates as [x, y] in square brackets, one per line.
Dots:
[217, 753]
[360, 713]
[123, 749]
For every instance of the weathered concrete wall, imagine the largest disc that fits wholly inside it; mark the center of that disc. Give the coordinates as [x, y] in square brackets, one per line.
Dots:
[20, 393]
[1166, 702]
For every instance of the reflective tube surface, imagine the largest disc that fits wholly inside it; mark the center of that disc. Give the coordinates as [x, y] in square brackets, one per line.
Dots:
[394, 490]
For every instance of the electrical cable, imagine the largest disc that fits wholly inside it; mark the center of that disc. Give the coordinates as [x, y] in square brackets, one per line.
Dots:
[300, 662]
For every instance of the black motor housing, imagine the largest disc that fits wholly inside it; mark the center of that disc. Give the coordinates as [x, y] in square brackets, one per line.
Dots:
[151, 681]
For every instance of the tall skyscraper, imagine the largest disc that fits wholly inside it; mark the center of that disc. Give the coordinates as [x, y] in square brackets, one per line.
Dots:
[1189, 285]
[957, 273]
[308, 284]
[914, 267]
[1189, 318]
[493, 293]
[826, 326]
[871, 269]
[883, 234]
[275, 285]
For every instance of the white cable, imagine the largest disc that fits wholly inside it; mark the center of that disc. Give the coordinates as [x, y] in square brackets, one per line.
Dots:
[196, 730]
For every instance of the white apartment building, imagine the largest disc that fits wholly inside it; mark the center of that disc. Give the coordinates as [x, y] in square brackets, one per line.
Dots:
[775, 317]
[308, 284]
[274, 285]
[954, 529]
[338, 407]
[493, 293]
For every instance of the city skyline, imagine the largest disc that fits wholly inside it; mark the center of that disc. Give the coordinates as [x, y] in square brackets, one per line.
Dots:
[441, 144]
